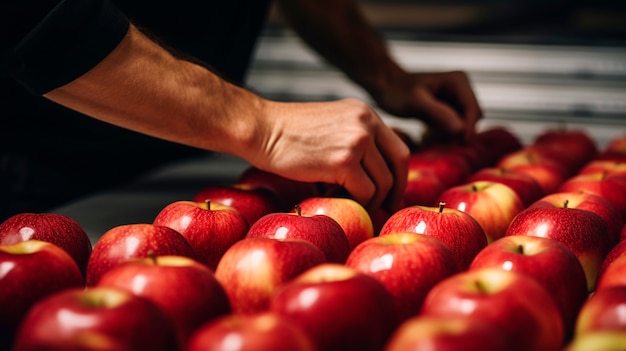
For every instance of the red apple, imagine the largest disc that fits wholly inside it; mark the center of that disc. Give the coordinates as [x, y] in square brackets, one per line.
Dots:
[263, 331]
[421, 333]
[210, 228]
[549, 262]
[523, 309]
[618, 250]
[614, 274]
[407, 264]
[603, 340]
[604, 166]
[252, 203]
[496, 142]
[492, 204]
[290, 192]
[321, 230]
[339, 307]
[582, 231]
[450, 168]
[547, 172]
[459, 231]
[253, 269]
[185, 289]
[58, 229]
[611, 187]
[605, 310]
[615, 150]
[525, 186]
[351, 216]
[130, 241]
[423, 188]
[29, 271]
[76, 319]
[589, 202]
[573, 147]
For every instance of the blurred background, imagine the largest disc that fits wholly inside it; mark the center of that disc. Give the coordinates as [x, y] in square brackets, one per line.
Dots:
[534, 64]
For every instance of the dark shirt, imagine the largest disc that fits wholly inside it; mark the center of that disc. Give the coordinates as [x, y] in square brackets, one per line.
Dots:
[49, 154]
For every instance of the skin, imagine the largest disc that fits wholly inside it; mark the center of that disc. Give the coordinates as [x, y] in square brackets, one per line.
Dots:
[147, 88]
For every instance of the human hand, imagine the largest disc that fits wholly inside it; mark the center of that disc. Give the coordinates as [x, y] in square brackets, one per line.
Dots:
[444, 101]
[342, 142]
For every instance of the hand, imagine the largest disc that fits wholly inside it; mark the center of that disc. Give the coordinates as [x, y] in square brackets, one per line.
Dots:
[444, 101]
[343, 142]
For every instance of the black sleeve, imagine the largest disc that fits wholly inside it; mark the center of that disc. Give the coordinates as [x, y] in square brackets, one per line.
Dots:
[62, 44]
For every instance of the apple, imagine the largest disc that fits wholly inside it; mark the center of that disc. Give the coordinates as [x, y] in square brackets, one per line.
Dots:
[492, 204]
[58, 229]
[210, 228]
[450, 168]
[253, 269]
[603, 311]
[524, 310]
[29, 271]
[614, 274]
[321, 230]
[582, 231]
[407, 264]
[130, 241]
[495, 142]
[290, 192]
[447, 334]
[423, 188]
[549, 262]
[459, 231]
[252, 203]
[351, 216]
[615, 150]
[263, 331]
[618, 250]
[525, 186]
[185, 289]
[573, 147]
[604, 166]
[603, 340]
[340, 308]
[611, 187]
[589, 202]
[75, 319]
[547, 172]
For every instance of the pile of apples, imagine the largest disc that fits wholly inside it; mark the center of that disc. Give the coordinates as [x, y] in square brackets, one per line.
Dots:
[499, 246]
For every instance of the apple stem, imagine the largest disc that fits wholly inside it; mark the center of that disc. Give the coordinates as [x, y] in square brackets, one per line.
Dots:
[208, 204]
[480, 286]
[298, 210]
[520, 249]
[441, 206]
[474, 188]
[565, 203]
[153, 256]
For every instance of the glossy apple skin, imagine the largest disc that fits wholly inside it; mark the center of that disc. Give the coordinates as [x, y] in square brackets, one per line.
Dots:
[611, 187]
[548, 173]
[290, 192]
[210, 228]
[451, 169]
[617, 251]
[548, 262]
[321, 230]
[29, 271]
[131, 241]
[492, 204]
[185, 289]
[423, 188]
[72, 318]
[589, 202]
[524, 185]
[58, 229]
[351, 216]
[312, 302]
[253, 269]
[614, 274]
[263, 331]
[407, 264]
[522, 308]
[590, 242]
[252, 203]
[447, 334]
[459, 231]
[605, 310]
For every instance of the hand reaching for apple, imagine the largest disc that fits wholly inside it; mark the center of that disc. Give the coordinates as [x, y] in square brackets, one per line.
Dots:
[342, 142]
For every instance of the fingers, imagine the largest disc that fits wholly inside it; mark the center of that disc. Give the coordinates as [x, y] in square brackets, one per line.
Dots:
[459, 86]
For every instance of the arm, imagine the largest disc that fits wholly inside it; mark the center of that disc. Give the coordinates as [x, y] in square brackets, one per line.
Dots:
[338, 31]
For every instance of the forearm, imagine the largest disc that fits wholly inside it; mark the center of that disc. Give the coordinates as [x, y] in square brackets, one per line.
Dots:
[142, 87]
[339, 32]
